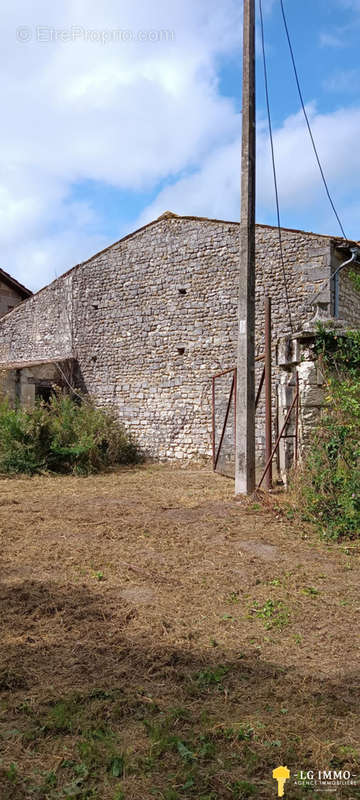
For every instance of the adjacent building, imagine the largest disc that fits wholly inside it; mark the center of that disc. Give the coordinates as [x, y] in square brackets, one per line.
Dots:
[11, 293]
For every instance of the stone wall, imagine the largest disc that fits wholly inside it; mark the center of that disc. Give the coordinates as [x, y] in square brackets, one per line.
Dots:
[9, 298]
[151, 319]
[40, 328]
[349, 297]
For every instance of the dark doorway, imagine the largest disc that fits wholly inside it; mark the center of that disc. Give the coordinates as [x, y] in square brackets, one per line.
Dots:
[44, 393]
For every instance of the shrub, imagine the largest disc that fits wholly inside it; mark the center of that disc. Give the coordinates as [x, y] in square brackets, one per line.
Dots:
[329, 481]
[64, 436]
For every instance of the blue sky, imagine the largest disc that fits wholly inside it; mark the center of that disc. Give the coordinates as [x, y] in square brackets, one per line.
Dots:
[110, 121]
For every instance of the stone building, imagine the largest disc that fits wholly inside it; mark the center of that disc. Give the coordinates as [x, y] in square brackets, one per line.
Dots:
[11, 293]
[144, 325]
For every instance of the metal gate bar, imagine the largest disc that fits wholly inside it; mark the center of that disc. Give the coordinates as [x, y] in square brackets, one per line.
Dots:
[261, 384]
[233, 386]
[280, 436]
[216, 452]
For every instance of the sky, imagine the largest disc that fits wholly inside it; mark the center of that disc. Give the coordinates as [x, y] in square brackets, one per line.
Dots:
[116, 112]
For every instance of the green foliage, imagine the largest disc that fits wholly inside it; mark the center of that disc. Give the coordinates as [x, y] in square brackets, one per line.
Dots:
[355, 278]
[330, 480]
[212, 677]
[64, 436]
[12, 773]
[340, 353]
[243, 789]
[117, 766]
[273, 613]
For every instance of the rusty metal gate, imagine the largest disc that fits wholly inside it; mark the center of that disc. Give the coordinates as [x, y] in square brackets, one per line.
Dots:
[224, 421]
[224, 413]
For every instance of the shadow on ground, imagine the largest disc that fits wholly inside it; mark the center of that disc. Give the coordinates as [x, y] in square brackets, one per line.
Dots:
[96, 706]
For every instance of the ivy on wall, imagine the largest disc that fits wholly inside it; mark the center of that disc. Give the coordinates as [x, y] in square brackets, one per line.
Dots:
[329, 481]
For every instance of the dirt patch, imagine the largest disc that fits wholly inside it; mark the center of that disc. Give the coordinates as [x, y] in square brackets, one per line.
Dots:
[260, 549]
[139, 595]
[214, 510]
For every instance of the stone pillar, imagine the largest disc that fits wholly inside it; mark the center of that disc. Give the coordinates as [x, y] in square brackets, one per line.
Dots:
[27, 389]
[311, 397]
[298, 361]
[288, 357]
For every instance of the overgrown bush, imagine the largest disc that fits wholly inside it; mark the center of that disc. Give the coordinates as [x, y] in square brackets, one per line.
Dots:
[329, 481]
[63, 436]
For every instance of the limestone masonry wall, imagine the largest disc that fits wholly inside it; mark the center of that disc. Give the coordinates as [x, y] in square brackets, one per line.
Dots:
[40, 328]
[153, 317]
[349, 297]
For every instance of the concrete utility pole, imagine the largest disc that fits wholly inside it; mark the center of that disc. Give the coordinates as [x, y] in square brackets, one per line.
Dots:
[245, 393]
[268, 394]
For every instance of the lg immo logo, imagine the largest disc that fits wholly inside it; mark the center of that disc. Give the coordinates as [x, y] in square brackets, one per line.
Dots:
[318, 779]
[281, 774]
[324, 779]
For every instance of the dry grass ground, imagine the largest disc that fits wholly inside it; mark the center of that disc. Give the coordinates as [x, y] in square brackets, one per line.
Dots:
[160, 639]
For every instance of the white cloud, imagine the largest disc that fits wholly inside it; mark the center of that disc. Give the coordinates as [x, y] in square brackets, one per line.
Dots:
[343, 80]
[40, 260]
[214, 189]
[345, 33]
[211, 191]
[132, 114]
[332, 39]
[127, 113]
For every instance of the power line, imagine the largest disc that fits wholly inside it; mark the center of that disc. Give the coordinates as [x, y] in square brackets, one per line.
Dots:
[308, 122]
[274, 166]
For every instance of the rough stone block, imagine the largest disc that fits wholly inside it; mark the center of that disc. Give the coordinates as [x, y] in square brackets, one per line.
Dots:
[311, 395]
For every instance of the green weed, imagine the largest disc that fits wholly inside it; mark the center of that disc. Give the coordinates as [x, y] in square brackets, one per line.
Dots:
[211, 677]
[311, 591]
[233, 597]
[241, 790]
[61, 718]
[328, 485]
[273, 613]
[12, 773]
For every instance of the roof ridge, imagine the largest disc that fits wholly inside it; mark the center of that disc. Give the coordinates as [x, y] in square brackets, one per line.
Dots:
[169, 215]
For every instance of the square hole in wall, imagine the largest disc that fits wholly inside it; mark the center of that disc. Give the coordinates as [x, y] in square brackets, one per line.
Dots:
[181, 351]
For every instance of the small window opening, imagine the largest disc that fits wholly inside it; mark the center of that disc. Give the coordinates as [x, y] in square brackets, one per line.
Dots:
[93, 358]
[95, 305]
[181, 351]
[182, 291]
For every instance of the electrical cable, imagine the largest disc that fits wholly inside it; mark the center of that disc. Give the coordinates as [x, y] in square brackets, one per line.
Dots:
[274, 166]
[308, 122]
